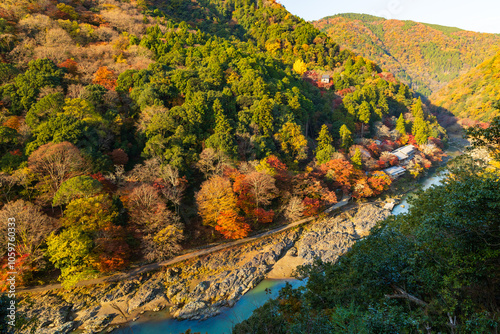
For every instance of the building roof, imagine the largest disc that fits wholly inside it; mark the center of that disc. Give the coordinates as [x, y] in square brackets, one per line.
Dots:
[325, 76]
[407, 149]
[400, 155]
[404, 152]
[394, 170]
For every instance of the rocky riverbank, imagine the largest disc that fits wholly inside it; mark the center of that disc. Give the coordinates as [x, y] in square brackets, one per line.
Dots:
[198, 288]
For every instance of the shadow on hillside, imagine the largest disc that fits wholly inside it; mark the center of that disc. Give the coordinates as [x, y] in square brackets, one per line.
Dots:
[445, 118]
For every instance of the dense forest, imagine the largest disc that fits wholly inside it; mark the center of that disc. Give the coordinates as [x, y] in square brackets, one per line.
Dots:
[435, 269]
[131, 130]
[424, 56]
[473, 95]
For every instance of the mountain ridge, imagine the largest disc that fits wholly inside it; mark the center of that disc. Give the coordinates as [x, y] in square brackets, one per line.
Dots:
[415, 48]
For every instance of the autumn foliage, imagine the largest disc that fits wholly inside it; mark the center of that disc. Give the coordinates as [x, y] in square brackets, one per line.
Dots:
[231, 225]
[113, 248]
[119, 125]
[105, 78]
[311, 206]
[215, 196]
[70, 65]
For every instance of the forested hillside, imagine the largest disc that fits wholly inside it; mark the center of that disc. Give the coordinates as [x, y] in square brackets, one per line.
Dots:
[473, 95]
[424, 56]
[131, 130]
[435, 269]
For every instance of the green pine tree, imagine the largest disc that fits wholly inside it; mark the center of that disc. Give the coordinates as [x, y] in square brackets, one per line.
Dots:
[420, 130]
[364, 115]
[324, 138]
[325, 149]
[223, 138]
[346, 136]
[417, 109]
[401, 125]
[356, 159]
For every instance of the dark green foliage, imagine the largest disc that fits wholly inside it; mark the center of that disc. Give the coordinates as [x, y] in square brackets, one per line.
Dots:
[10, 162]
[57, 129]
[41, 73]
[94, 94]
[8, 139]
[414, 271]
[7, 73]
[325, 148]
[50, 105]
[223, 137]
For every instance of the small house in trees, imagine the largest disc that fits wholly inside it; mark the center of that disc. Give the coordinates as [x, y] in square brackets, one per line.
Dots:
[325, 78]
[394, 172]
[404, 153]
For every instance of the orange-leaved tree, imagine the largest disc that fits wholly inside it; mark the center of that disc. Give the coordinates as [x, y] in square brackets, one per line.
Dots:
[341, 172]
[379, 181]
[231, 225]
[362, 189]
[70, 65]
[105, 78]
[215, 196]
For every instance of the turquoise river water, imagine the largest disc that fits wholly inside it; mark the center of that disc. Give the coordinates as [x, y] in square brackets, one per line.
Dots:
[220, 324]
[162, 323]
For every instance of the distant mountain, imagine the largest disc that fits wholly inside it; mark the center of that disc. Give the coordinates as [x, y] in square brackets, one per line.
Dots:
[475, 94]
[424, 56]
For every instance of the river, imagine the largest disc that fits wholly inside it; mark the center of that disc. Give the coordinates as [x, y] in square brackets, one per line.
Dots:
[161, 323]
[426, 183]
[434, 178]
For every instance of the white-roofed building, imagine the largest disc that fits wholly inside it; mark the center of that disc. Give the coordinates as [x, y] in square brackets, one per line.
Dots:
[394, 171]
[325, 78]
[404, 153]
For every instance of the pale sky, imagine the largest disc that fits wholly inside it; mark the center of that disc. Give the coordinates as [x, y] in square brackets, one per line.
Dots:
[475, 15]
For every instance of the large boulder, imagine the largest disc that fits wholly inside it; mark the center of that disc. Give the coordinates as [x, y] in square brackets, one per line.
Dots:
[149, 291]
[98, 323]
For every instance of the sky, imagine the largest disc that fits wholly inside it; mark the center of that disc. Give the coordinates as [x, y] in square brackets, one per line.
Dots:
[474, 15]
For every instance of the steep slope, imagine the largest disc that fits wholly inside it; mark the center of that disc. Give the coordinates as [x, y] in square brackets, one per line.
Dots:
[475, 94]
[424, 56]
[140, 106]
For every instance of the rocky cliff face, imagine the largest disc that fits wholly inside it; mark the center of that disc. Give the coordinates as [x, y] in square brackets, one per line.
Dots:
[198, 289]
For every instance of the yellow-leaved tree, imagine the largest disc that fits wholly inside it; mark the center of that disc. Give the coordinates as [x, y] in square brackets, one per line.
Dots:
[299, 66]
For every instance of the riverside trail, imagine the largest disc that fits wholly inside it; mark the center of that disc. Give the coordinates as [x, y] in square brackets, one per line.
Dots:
[129, 274]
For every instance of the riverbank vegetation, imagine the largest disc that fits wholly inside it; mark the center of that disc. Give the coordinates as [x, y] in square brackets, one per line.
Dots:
[161, 126]
[434, 269]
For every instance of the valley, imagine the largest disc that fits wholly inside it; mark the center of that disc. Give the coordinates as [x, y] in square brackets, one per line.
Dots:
[160, 160]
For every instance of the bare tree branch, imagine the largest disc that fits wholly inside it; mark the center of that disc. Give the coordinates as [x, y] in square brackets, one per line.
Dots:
[401, 294]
